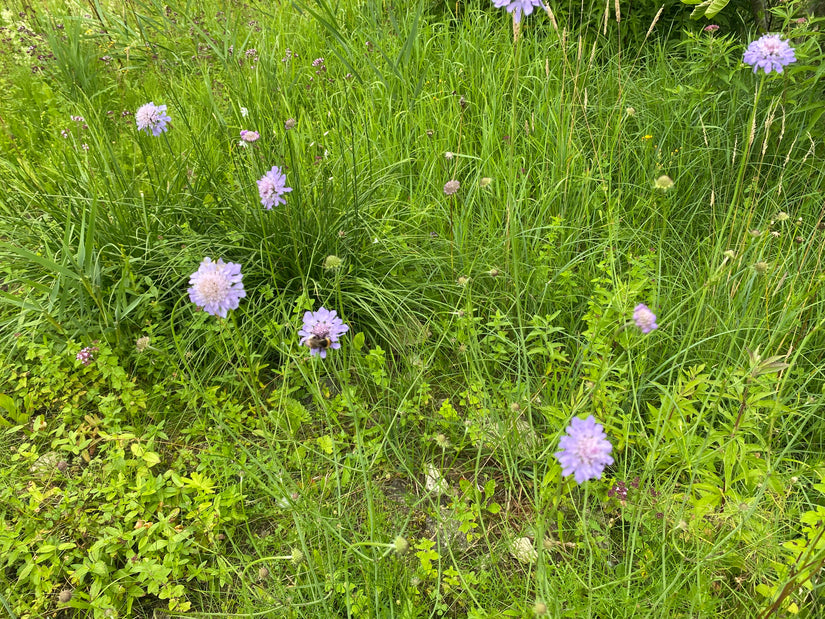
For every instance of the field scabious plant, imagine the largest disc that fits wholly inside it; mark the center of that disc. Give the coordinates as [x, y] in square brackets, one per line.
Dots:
[216, 287]
[152, 119]
[272, 188]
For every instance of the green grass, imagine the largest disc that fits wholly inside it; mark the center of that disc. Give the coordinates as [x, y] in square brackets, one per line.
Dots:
[223, 472]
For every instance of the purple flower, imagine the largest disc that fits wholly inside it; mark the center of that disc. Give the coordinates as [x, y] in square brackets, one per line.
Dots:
[711, 28]
[318, 62]
[450, 187]
[272, 187]
[152, 119]
[644, 318]
[517, 7]
[86, 356]
[769, 53]
[247, 137]
[584, 450]
[321, 331]
[216, 286]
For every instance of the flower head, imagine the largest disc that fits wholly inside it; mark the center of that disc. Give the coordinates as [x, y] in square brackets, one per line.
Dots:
[247, 137]
[769, 53]
[244, 112]
[517, 7]
[142, 343]
[86, 356]
[711, 28]
[644, 318]
[664, 182]
[451, 187]
[332, 262]
[584, 450]
[289, 124]
[152, 118]
[321, 331]
[216, 286]
[272, 187]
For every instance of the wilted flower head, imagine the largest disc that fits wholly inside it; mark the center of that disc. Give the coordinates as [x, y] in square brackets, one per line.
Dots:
[321, 331]
[451, 187]
[729, 253]
[523, 550]
[289, 124]
[142, 343]
[664, 182]
[216, 286]
[761, 267]
[769, 53]
[86, 356]
[249, 136]
[584, 450]
[630, 111]
[272, 187]
[152, 118]
[517, 7]
[644, 318]
[449, 155]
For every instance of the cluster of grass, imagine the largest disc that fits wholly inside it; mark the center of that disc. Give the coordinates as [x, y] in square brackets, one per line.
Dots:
[211, 467]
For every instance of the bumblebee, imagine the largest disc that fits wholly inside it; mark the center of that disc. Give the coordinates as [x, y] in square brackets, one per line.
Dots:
[320, 343]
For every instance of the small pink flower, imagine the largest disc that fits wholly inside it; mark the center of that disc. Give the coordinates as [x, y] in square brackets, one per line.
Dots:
[451, 187]
[249, 136]
[711, 28]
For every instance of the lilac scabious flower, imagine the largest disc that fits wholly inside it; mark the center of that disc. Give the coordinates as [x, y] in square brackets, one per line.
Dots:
[152, 118]
[769, 53]
[86, 356]
[644, 318]
[321, 331]
[216, 287]
[450, 187]
[247, 137]
[272, 187]
[584, 450]
[517, 7]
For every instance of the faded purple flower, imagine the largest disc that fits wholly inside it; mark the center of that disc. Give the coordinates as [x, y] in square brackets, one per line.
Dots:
[318, 62]
[451, 187]
[517, 7]
[272, 187]
[152, 119]
[247, 137]
[644, 318]
[216, 286]
[584, 450]
[289, 124]
[86, 356]
[769, 53]
[321, 331]
[78, 119]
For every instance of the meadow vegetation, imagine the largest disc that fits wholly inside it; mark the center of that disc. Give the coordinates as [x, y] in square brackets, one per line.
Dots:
[599, 211]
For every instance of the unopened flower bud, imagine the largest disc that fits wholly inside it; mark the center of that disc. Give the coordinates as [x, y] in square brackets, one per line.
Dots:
[402, 546]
